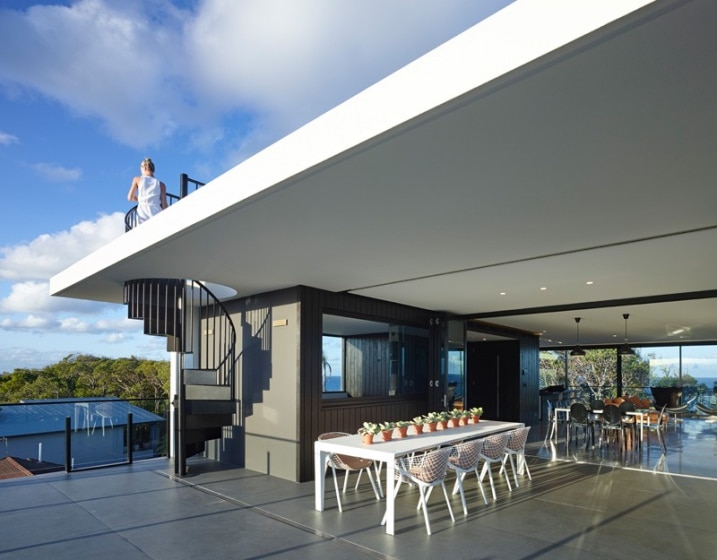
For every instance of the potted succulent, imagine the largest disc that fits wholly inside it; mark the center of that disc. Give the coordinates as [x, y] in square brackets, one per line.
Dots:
[464, 417]
[431, 421]
[387, 430]
[402, 428]
[418, 423]
[454, 417]
[476, 413]
[368, 430]
[443, 421]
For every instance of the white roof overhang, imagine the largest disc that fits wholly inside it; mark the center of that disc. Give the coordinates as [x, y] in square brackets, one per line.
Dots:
[552, 144]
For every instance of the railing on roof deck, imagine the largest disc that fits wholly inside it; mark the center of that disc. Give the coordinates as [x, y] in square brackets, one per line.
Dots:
[85, 433]
[187, 186]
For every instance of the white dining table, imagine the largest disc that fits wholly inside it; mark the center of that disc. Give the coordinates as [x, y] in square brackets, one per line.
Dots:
[389, 451]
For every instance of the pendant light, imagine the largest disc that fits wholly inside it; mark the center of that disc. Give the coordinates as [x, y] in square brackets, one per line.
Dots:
[577, 351]
[625, 349]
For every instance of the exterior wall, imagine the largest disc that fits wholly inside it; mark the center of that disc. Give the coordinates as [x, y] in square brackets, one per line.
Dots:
[279, 372]
[271, 423]
[265, 436]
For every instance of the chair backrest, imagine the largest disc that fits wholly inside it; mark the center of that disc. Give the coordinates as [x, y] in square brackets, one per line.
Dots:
[578, 412]
[465, 455]
[517, 438]
[611, 415]
[596, 404]
[626, 406]
[344, 462]
[427, 468]
[494, 446]
[332, 435]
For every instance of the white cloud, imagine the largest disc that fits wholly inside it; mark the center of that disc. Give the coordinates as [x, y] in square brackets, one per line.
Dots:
[281, 62]
[56, 173]
[27, 305]
[48, 254]
[6, 139]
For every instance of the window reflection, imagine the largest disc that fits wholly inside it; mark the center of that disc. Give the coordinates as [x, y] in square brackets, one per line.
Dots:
[369, 358]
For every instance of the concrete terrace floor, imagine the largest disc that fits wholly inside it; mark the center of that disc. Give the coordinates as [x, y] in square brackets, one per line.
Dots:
[594, 503]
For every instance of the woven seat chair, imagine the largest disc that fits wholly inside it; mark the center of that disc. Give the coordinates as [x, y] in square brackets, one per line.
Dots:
[348, 464]
[492, 452]
[515, 446]
[424, 471]
[464, 458]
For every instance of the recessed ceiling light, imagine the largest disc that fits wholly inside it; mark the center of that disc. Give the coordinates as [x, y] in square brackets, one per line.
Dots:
[543, 288]
[503, 293]
[589, 282]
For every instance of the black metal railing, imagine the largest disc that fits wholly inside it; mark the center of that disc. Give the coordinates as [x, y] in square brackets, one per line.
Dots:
[85, 433]
[215, 348]
[187, 186]
[178, 309]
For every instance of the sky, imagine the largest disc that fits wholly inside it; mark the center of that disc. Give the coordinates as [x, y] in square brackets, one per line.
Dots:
[89, 88]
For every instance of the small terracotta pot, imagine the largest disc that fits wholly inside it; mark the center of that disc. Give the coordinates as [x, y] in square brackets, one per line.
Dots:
[387, 435]
[453, 422]
[430, 426]
[463, 421]
[402, 431]
[476, 419]
[367, 439]
[443, 424]
[418, 428]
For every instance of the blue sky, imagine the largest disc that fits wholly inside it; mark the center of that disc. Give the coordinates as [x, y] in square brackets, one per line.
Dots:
[89, 88]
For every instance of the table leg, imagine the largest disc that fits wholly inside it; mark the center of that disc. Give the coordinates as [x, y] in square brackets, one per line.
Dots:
[390, 497]
[319, 479]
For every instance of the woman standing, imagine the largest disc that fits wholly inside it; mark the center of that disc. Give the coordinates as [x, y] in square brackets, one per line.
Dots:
[148, 191]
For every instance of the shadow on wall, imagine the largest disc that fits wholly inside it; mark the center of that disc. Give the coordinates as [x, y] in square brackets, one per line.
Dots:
[255, 357]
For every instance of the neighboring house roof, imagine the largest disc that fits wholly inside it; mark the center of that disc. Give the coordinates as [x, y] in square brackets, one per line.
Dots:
[12, 467]
[48, 416]
[554, 143]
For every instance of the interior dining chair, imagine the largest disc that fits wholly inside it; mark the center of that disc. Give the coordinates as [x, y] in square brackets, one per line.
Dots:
[580, 418]
[492, 452]
[348, 464]
[658, 427]
[629, 422]
[515, 447]
[464, 458]
[426, 471]
[611, 424]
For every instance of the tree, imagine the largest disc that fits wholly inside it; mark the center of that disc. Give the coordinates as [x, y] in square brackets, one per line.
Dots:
[86, 376]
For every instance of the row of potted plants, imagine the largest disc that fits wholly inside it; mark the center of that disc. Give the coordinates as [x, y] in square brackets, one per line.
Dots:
[427, 423]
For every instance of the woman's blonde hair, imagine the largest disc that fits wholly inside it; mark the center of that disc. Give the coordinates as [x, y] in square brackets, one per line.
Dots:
[148, 163]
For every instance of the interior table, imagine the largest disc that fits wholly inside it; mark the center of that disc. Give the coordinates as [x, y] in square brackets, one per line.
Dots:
[389, 451]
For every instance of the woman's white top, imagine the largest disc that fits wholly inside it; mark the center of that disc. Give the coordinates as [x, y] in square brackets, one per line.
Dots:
[148, 198]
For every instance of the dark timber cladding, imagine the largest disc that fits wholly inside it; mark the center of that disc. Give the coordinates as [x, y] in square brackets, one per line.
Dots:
[319, 415]
[518, 369]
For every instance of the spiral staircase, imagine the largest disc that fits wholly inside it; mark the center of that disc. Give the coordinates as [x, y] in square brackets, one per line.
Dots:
[198, 327]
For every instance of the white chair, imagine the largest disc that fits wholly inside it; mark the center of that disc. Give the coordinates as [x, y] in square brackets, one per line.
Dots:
[659, 428]
[425, 471]
[464, 458]
[348, 464]
[515, 446]
[492, 452]
[104, 411]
